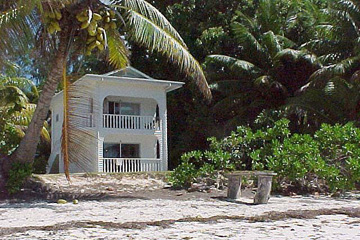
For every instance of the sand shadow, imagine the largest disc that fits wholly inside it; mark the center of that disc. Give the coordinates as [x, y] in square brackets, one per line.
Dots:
[225, 199]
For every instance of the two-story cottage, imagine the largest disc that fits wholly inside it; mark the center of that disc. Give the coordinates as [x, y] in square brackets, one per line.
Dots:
[129, 123]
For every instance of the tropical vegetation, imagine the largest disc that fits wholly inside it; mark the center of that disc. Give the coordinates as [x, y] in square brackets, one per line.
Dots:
[264, 60]
[327, 161]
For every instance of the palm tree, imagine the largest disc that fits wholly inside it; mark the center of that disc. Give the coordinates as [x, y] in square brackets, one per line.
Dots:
[269, 71]
[336, 82]
[339, 55]
[64, 30]
[17, 95]
[337, 102]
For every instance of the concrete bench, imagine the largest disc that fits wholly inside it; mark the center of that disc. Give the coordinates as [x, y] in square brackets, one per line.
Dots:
[264, 185]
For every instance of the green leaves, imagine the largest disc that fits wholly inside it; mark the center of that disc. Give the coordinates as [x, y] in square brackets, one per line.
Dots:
[118, 52]
[331, 155]
[17, 175]
[143, 30]
[149, 28]
[155, 16]
[185, 174]
[245, 37]
[238, 67]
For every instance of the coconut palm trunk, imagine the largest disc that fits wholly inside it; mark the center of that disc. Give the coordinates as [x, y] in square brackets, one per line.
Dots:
[26, 151]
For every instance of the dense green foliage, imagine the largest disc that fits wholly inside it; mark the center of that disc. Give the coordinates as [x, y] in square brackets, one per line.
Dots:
[18, 96]
[328, 160]
[19, 172]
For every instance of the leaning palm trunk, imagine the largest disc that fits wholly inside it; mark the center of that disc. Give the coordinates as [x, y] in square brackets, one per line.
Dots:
[26, 151]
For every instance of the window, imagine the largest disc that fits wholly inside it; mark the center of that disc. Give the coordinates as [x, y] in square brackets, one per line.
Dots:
[129, 108]
[114, 108]
[111, 150]
[124, 108]
[57, 117]
[130, 150]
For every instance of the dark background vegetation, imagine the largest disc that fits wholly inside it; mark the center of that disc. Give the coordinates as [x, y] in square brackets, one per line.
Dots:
[306, 68]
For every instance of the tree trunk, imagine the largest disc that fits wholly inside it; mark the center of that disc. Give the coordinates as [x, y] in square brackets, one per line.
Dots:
[25, 153]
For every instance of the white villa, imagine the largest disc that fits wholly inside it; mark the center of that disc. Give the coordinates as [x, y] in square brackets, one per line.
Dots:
[130, 123]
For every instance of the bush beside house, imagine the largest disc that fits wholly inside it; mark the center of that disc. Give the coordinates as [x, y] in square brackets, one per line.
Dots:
[329, 160]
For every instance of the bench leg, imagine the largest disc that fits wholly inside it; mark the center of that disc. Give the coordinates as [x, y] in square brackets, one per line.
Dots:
[264, 188]
[234, 187]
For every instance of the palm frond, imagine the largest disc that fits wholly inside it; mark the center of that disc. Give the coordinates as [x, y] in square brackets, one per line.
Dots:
[313, 102]
[296, 55]
[321, 101]
[9, 14]
[272, 43]
[12, 96]
[147, 33]
[350, 6]
[344, 16]
[269, 18]
[230, 87]
[239, 67]
[118, 53]
[244, 36]
[321, 76]
[246, 20]
[150, 12]
[26, 85]
[18, 29]
[24, 116]
[79, 105]
[329, 58]
[21, 119]
[285, 42]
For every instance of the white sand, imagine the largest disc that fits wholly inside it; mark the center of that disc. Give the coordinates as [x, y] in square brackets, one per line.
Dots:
[124, 211]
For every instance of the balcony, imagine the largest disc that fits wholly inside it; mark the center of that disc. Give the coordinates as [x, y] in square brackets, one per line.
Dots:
[133, 122]
[115, 165]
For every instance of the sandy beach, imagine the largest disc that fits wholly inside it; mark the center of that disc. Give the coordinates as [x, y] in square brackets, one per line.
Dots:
[206, 218]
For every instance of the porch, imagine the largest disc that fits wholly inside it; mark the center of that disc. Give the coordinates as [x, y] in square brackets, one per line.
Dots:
[129, 153]
[132, 122]
[117, 165]
[132, 113]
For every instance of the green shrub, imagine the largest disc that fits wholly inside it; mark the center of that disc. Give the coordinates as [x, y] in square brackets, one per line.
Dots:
[340, 148]
[18, 173]
[242, 143]
[331, 155]
[185, 174]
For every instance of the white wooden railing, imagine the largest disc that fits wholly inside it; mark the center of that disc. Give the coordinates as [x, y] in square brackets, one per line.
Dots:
[114, 165]
[128, 122]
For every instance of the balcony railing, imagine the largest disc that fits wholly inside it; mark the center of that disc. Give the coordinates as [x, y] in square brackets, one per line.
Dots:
[129, 122]
[115, 165]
